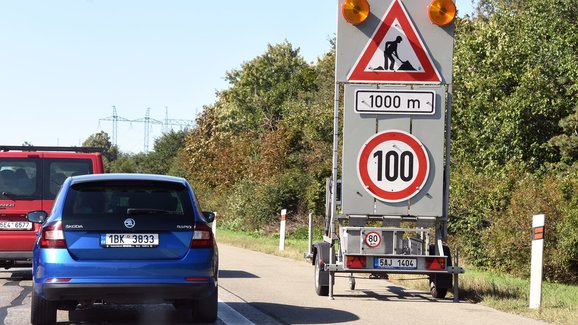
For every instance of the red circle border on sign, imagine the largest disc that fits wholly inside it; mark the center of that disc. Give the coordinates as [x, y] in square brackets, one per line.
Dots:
[414, 187]
[378, 236]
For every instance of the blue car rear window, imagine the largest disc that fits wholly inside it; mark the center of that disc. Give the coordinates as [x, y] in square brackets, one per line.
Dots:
[102, 205]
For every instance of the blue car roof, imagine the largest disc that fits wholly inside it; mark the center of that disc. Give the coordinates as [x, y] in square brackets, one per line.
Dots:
[129, 177]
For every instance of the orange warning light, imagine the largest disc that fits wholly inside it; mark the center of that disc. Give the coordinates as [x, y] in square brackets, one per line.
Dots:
[355, 11]
[441, 12]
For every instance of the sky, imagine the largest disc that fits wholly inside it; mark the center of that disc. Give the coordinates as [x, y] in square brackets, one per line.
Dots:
[64, 64]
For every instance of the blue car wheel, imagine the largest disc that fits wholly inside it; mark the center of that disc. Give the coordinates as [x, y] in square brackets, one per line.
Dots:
[205, 310]
[42, 311]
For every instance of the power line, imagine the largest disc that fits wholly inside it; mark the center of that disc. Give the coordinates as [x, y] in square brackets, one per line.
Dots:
[176, 122]
[115, 119]
[148, 121]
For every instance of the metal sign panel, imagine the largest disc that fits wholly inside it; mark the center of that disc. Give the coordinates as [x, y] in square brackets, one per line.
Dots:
[396, 67]
[407, 102]
[363, 54]
[395, 53]
[359, 128]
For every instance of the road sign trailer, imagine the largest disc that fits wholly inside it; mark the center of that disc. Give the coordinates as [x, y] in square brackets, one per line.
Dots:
[388, 211]
[360, 246]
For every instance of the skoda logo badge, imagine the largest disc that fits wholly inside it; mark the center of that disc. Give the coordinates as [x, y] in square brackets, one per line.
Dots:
[129, 223]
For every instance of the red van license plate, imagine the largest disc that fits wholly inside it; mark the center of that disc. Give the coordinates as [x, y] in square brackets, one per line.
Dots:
[15, 225]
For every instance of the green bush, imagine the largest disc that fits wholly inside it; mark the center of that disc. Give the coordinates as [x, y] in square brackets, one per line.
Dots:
[474, 201]
[491, 220]
[257, 205]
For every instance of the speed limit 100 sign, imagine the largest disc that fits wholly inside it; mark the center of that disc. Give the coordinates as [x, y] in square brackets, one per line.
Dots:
[393, 166]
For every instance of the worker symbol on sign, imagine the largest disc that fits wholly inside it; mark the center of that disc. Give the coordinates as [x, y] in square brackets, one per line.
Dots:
[397, 53]
[390, 52]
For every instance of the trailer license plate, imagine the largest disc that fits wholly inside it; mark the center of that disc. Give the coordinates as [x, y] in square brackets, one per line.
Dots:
[130, 240]
[395, 263]
[15, 225]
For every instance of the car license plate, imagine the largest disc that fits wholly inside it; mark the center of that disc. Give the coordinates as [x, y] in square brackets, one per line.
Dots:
[395, 263]
[15, 225]
[130, 240]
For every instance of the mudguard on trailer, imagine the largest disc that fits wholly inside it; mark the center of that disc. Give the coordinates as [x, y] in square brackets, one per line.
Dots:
[321, 252]
[443, 281]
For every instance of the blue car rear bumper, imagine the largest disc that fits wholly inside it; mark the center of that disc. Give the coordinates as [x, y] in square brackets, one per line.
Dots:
[57, 276]
[134, 293]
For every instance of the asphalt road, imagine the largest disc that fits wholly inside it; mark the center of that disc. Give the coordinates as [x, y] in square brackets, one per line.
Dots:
[284, 290]
[263, 289]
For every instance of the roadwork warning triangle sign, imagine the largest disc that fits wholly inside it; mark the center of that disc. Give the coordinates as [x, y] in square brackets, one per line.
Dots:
[395, 53]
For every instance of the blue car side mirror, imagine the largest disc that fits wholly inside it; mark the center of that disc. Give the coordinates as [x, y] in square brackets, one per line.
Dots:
[209, 216]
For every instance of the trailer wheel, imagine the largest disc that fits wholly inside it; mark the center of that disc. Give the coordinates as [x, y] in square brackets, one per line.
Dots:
[441, 282]
[438, 293]
[351, 282]
[320, 289]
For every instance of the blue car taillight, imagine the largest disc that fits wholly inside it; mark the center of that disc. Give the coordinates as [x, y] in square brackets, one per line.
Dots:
[53, 236]
[202, 237]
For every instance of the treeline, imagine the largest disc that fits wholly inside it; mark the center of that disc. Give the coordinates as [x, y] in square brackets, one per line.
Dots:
[514, 135]
[265, 144]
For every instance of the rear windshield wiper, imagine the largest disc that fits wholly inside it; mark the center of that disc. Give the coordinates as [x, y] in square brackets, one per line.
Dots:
[136, 211]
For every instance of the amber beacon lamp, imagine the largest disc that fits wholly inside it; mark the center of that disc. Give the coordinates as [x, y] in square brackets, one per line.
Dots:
[355, 11]
[441, 12]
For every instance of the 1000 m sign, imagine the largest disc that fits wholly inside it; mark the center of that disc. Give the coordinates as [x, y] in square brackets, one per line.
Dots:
[377, 101]
[393, 166]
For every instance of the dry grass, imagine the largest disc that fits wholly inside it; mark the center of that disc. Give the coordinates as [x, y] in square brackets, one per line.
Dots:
[511, 295]
[294, 248]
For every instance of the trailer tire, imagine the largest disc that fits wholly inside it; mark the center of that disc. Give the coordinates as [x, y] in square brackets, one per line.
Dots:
[320, 289]
[440, 282]
[438, 293]
[351, 283]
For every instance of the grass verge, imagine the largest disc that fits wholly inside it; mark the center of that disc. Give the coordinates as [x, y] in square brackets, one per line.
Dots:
[294, 248]
[502, 292]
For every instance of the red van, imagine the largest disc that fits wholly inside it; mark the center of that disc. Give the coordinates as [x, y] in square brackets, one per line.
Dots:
[30, 178]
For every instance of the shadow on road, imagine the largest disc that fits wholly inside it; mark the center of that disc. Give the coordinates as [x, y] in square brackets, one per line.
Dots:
[157, 314]
[18, 300]
[302, 315]
[236, 274]
[20, 274]
[394, 294]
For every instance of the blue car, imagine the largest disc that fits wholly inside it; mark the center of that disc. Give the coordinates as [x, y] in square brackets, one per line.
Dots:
[124, 239]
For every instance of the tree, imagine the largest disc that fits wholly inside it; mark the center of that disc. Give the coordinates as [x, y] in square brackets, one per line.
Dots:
[514, 139]
[125, 163]
[567, 142]
[258, 90]
[516, 77]
[265, 143]
[102, 140]
[166, 149]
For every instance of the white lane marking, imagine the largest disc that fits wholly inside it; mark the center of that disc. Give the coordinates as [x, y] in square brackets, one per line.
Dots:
[230, 316]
